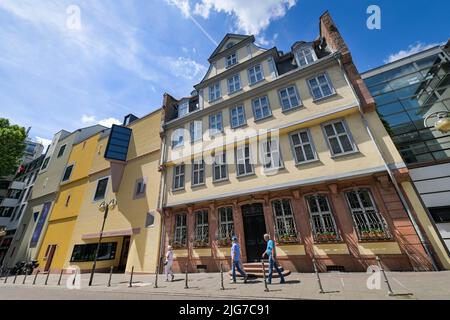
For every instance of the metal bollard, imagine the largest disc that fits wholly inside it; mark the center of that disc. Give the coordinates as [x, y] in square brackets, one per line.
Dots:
[156, 276]
[186, 286]
[15, 276]
[390, 292]
[8, 273]
[35, 277]
[266, 288]
[60, 277]
[317, 275]
[222, 287]
[48, 275]
[74, 278]
[110, 276]
[131, 277]
[24, 278]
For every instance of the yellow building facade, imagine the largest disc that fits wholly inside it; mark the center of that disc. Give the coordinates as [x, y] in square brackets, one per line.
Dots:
[132, 229]
[55, 248]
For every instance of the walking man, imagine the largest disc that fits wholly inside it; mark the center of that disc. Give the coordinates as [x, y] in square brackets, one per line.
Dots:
[168, 263]
[271, 253]
[236, 260]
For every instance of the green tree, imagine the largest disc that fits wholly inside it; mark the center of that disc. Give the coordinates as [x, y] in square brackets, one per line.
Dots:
[12, 145]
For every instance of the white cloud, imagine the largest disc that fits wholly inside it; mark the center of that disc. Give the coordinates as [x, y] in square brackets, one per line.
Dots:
[109, 122]
[252, 16]
[87, 119]
[412, 49]
[187, 68]
[90, 120]
[44, 142]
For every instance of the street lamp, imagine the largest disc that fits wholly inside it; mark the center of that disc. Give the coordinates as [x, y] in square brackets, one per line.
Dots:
[442, 123]
[103, 207]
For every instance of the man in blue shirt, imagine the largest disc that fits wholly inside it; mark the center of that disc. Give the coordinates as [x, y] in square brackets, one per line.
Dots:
[271, 253]
[236, 260]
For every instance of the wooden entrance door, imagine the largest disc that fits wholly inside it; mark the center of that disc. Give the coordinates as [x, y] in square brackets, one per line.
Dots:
[50, 254]
[254, 229]
[124, 253]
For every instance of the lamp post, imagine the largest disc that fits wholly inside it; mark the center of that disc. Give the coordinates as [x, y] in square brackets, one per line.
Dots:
[442, 123]
[103, 207]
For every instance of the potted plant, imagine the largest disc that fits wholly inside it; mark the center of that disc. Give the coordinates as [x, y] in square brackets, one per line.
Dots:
[201, 244]
[225, 242]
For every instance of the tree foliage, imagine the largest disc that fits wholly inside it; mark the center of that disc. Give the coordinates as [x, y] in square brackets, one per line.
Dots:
[12, 145]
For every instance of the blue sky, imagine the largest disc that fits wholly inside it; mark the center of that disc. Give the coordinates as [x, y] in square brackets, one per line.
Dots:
[127, 53]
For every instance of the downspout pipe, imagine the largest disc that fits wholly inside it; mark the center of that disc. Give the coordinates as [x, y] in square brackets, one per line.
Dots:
[391, 174]
[160, 209]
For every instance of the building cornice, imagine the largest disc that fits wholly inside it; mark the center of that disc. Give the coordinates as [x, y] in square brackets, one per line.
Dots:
[290, 184]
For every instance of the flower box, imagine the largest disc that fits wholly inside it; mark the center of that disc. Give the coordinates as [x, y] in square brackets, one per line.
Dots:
[287, 239]
[376, 234]
[326, 237]
[200, 244]
[224, 242]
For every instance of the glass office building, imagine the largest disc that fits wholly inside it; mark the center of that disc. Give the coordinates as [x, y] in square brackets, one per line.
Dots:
[406, 91]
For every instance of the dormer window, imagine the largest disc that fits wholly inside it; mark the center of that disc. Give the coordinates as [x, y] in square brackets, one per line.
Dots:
[305, 55]
[231, 59]
[183, 109]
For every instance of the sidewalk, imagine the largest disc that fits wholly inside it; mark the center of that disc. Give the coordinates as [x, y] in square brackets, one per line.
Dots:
[337, 286]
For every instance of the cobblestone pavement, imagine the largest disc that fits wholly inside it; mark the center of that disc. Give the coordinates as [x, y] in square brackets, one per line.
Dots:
[337, 286]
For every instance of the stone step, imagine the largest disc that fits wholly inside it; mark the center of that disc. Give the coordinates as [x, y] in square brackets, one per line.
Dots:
[255, 270]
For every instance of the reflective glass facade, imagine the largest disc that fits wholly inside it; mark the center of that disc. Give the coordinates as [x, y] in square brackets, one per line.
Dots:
[405, 95]
[119, 140]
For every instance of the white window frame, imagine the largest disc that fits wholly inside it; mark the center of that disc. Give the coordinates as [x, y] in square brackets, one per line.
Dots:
[252, 72]
[184, 105]
[289, 98]
[284, 219]
[243, 159]
[337, 137]
[180, 232]
[215, 92]
[271, 155]
[320, 86]
[303, 53]
[226, 227]
[179, 174]
[302, 145]
[201, 228]
[200, 172]
[366, 214]
[220, 160]
[257, 105]
[238, 114]
[234, 83]
[196, 130]
[215, 126]
[322, 216]
[231, 60]
[177, 133]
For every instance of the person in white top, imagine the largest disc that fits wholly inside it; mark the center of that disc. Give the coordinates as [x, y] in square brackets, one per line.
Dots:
[168, 263]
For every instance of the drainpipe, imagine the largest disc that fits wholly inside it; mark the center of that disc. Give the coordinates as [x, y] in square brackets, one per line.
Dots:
[391, 174]
[162, 190]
